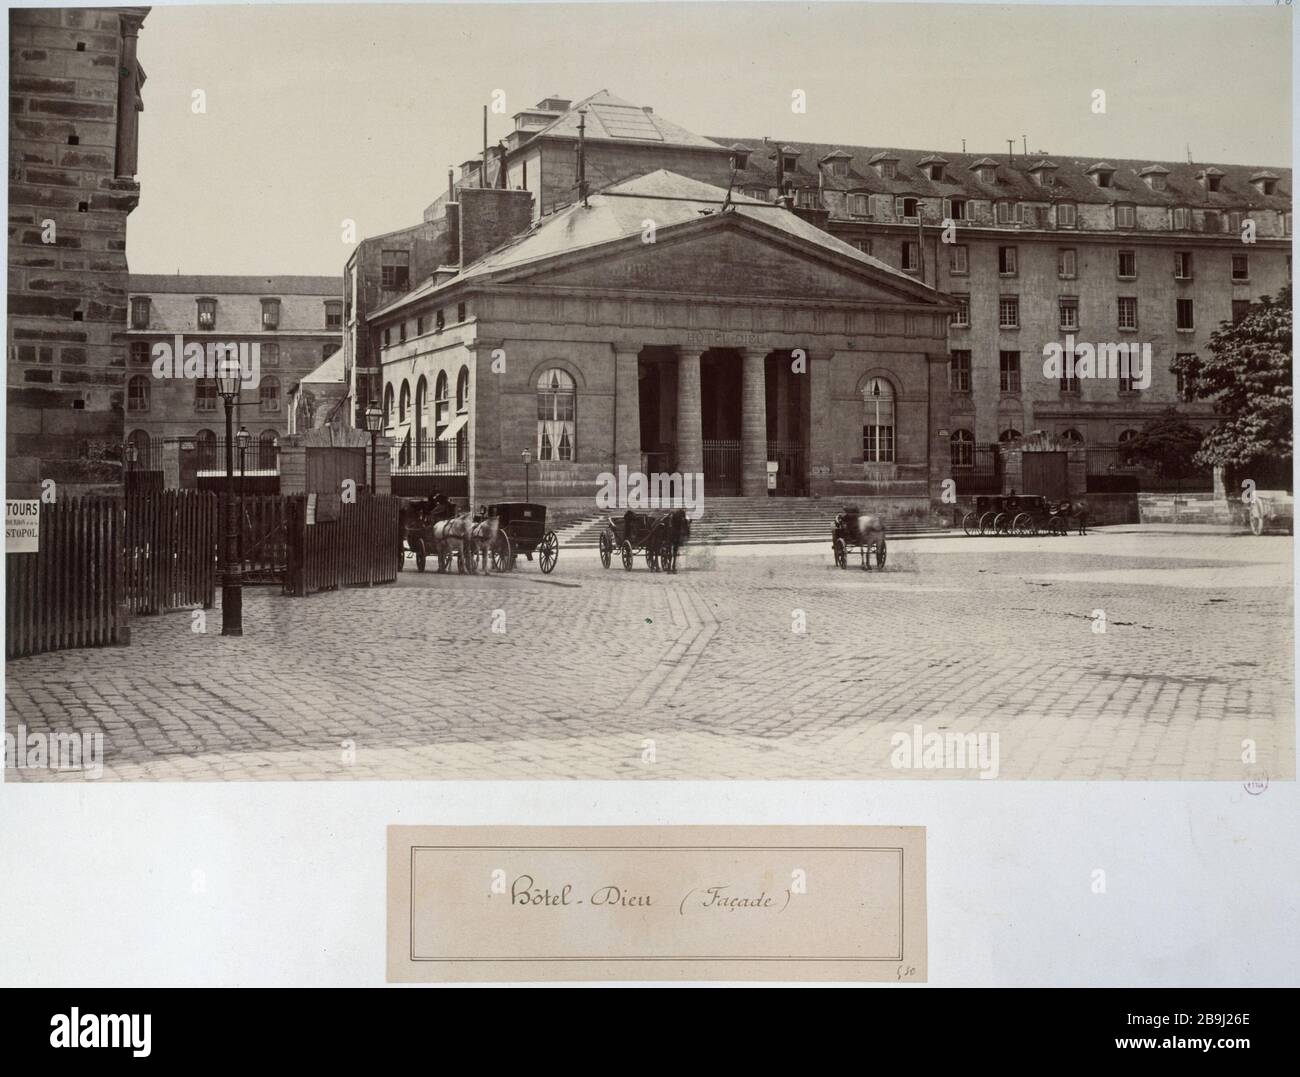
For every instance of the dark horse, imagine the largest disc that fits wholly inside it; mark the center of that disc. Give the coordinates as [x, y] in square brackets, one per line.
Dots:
[669, 534]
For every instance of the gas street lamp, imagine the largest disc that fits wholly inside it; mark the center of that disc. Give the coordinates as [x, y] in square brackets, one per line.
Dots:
[242, 439]
[374, 424]
[527, 455]
[232, 595]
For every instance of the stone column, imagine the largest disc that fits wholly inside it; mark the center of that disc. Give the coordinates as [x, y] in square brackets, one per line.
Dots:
[128, 98]
[820, 424]
[627, 407]
[690, 428]
[753, 422]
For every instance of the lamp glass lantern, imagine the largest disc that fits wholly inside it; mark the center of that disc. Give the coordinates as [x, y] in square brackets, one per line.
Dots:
[228, 377]
[374, 417]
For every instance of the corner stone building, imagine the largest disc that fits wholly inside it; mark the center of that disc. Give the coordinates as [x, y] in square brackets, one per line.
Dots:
[726, 336]
[74, 87]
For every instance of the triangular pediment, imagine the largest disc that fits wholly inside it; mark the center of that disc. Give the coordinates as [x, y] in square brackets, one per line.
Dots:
[727, 255]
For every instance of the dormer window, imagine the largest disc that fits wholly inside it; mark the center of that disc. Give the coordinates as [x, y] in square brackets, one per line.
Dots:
[1101, 174]
[886, 166]
[1212, 182]
[1264, 182]
[1102, 179]
[1044, 173]
[839, 167]
[740, 157]
[1155, 177]
[789, 162]
[935, 172]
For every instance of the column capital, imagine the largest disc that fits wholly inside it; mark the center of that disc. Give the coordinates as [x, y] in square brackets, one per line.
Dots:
[755, 352]
[625, 347]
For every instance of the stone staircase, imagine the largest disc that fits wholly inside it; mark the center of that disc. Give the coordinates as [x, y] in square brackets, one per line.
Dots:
[733, 521]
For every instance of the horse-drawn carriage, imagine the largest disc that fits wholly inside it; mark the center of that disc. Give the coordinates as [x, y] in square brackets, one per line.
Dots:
[1024, 514]
[437, 527]
[660, 537]
[865, 533]
[521, 529]
[1270, 510]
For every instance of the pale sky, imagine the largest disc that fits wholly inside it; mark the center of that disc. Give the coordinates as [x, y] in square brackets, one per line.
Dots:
[316, 114]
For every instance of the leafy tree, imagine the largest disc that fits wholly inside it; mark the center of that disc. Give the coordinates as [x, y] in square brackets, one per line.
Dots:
[1168, 445]
[1248, 376]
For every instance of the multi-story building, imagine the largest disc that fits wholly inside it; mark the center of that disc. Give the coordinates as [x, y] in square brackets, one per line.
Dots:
[1034, 249]
[297, 323]
[74, 88]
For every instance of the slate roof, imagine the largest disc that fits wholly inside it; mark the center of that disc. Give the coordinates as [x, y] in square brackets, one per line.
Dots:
[1013, 180]
[331, 370]
[206, 284]
[670, 134]
[621, 211]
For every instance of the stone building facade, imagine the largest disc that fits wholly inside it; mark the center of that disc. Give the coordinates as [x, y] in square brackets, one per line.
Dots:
[736, 335]
[1040, 245]
[75, 99]
[296, 321]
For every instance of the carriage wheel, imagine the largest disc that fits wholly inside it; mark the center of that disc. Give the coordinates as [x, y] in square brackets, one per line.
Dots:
[841, 553]
[880, 554]
[548, 552]
[420, 554]
[986, 523]
[606, 548]
[1024, 525]
[625, 551]
[970, 523]
[1002, 523]
[1256, 517]
[501, 555]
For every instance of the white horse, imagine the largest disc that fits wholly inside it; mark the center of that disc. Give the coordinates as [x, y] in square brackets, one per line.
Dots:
[457, 534]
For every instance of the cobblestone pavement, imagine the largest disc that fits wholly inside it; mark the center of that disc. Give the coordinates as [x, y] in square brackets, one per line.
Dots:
[610, 674]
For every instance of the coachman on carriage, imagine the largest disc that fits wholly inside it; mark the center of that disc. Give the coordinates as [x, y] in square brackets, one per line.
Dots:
[660, 537]
[862, 532]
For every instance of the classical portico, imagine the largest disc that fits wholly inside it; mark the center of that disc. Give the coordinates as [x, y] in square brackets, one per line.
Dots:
[717, 343]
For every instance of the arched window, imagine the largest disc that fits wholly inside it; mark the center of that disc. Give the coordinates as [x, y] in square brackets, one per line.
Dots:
[137, 393]
[207, 450]
[462, 391]
[1009, 434]
[556, 415]
[404, 402]
[441, 417]
[421, 417]
[878, 422]
[962, 447]
[141, 443]
[1072, 435]
[268, 446]
[388, 406]
[1126, 439]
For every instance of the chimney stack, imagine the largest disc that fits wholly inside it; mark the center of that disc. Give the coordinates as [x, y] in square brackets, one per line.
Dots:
[487, 218]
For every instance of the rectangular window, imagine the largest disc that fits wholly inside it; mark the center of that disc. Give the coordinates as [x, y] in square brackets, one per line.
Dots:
[1128, 265]
[1240, 308]
[1234, 221]
[1009, 372]
[205, 394]
[1069, 383]
[460, 312]
[419, 326]
[1068, 307]
[1182, 219]
[860, 205]
[270, 314]
[1186, 318]
[1007, 213]
[1066, 215]
[1126, 383]
[395, 270]
[1184, 382]
[270, 353]
[959, 371]
[140, 312]
[864, 245]
[1009, 312]
[388, 337]
[960, 259]
[269, 394]
[907, 208]
[334, 314]
[808, 198]
[1213, 222]
[207, 313]
[1241, 267]
[910, 256]
[1183, 265]
[957, 209]
[1128, 312]
[1067, 263]
[401, 332]
[140, 351]
[1007, 261]
[961, 316]
[1125, 216]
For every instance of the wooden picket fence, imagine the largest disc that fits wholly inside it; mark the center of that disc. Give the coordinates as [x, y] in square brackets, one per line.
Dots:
[361, 546]
[170, 554]
[264, 537]
[68, 593]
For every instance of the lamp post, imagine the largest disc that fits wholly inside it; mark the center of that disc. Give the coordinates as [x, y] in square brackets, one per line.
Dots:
[243, 438]
[232, 595]
[527, 455]
[374, 424]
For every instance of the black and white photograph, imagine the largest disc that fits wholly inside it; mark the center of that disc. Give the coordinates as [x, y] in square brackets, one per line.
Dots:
[628, 393]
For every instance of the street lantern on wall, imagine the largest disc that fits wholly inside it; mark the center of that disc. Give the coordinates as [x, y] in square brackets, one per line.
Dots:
[374, 424]
[527, 456]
